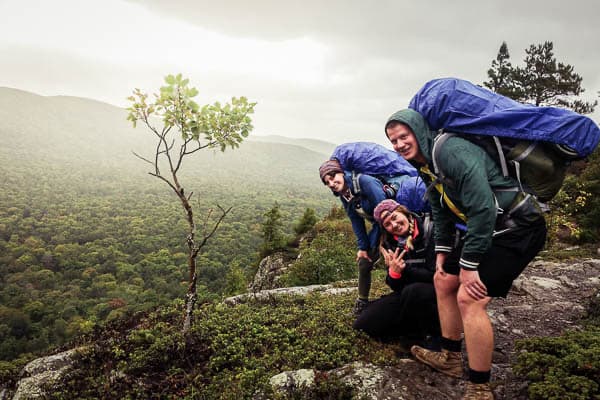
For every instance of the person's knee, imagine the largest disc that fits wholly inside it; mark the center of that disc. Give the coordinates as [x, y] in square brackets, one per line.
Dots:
[358, 324]
[365, 323]
[445, 283]
[468, 304]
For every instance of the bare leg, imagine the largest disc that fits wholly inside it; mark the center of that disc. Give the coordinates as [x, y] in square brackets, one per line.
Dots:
[446, 289]
[479, 335]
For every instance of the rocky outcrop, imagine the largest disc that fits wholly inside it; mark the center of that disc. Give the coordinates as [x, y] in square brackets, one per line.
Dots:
[411, 380]
[547, 299]
[265, 295]
[272, 267]
[41, 374]
[269, 271]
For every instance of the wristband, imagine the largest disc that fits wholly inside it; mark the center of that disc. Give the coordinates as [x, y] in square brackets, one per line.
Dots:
[393, 275]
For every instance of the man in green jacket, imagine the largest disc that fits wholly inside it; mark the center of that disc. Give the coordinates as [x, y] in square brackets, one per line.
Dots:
[505, 230]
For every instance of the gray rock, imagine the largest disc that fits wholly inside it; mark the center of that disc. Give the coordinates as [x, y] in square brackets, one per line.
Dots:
[410, 380]
[546, 283]
[265, 295]
[269, 270]
[43, 373]
[287, 382]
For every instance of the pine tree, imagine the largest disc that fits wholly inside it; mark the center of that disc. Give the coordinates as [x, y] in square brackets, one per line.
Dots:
[545, 82]
[501, 74]
[308, 220]
[272, 229]
[542, 81]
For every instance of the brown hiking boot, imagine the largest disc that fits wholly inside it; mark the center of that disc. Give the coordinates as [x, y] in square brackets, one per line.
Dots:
[478, 391]
[447, 362]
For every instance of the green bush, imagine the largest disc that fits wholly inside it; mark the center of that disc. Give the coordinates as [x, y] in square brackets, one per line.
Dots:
[329, 257]
[565, 367]
[576, 209]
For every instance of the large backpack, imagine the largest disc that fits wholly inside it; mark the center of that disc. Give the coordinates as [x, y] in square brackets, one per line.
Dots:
[532, 144]
[401, 180]
[372, 159]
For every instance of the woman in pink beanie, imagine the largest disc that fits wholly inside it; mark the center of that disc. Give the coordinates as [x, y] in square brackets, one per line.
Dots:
[410, 311]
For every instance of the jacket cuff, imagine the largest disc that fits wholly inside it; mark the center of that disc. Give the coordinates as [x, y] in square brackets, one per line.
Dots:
[470, 261]
[443, 246]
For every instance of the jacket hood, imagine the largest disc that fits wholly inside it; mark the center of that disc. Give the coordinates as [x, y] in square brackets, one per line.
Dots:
[419, 126]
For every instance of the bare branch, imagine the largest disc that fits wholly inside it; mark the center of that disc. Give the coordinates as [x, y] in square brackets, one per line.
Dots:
[205, 222]
[162, 178]
[182, 153]
[214, 229]
[149, 125]
[142, 158]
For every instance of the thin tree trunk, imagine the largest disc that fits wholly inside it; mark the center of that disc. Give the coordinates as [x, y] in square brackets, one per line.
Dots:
[191, 296]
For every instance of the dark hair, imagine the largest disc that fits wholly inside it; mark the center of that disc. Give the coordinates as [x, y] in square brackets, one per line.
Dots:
[392, 124]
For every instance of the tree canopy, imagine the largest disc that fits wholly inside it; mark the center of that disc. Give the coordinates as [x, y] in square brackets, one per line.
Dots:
[542, 81]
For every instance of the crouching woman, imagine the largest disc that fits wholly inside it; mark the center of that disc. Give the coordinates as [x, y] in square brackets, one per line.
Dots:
[410, 311]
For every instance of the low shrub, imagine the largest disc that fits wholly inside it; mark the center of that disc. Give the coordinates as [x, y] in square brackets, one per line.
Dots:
[230, 352]
[564, 367]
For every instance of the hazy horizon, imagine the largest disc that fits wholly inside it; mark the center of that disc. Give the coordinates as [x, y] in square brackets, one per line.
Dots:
[331, 71]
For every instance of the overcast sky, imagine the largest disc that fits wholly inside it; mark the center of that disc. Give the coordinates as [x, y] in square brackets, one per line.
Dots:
[331, 70]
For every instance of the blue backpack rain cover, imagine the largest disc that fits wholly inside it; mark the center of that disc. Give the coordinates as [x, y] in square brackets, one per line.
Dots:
[388, 166]
[372, 159]
[460, 106]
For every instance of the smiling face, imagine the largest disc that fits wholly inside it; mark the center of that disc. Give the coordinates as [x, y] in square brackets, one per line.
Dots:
[335, 182]
[396, 223]
[404, 141]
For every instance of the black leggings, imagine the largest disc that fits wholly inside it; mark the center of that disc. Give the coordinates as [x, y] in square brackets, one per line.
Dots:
[364, 274]
[364, 278]
[409, 313]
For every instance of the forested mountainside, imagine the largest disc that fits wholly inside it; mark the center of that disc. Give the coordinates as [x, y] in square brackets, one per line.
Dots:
[287, 344]
[86, 235]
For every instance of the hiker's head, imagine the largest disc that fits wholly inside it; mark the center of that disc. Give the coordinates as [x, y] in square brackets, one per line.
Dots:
[403, 140]
[410, 136]
[332, 175]
[394, 217]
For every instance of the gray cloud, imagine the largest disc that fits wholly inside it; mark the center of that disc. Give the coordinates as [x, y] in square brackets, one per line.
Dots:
[378, 55]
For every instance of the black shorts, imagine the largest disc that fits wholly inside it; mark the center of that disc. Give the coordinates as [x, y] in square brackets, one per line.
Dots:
[507, 257]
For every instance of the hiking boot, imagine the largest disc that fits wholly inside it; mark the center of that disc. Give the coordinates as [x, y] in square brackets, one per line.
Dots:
[447, 362]
[478, 391]
[360, 306]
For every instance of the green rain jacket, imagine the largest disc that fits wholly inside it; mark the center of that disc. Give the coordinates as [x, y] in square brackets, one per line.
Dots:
[473, 173]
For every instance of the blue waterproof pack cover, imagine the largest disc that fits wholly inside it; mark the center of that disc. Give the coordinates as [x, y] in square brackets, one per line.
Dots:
[459, 106]
[376, 160]
[372, 159]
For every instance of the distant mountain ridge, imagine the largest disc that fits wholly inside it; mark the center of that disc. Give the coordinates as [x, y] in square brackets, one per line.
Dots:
[73, 130]
[319, 146]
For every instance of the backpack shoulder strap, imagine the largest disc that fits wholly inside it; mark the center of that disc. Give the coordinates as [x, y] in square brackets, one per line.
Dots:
[356, 183]
[438, 142]
[427, 229]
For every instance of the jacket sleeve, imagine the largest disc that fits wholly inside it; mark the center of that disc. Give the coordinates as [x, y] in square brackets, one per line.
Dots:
[466, 164]
[358, 226]
[443, 230]
[395, 284]
[371, 194]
